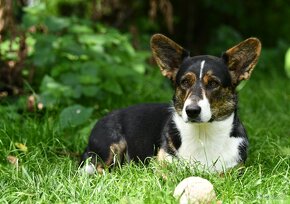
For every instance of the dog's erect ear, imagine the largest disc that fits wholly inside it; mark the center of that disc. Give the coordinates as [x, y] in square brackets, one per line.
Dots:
[242, 58]
[167, 54]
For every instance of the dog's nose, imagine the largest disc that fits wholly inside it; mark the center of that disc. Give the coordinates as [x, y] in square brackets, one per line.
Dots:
[192, 111]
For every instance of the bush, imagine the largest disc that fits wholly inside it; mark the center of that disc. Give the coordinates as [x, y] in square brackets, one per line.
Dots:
[77, 61]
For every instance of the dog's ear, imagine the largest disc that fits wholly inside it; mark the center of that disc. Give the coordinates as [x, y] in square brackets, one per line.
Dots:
[168, 55]
[242, 58]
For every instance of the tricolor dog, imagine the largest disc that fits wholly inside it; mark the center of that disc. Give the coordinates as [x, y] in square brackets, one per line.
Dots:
[201, 126]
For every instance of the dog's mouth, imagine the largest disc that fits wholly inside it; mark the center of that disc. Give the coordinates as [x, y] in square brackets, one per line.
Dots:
[198, 120]
[193, 120]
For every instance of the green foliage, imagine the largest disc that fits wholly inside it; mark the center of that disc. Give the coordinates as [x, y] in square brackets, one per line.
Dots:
[5, 48]
[75, 60]
[79, 61]
[224, 38]
[74, 115]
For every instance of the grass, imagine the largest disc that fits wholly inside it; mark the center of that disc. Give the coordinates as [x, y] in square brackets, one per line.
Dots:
[46, 175]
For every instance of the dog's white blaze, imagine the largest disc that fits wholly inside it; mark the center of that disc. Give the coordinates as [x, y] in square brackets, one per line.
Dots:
[209, 144]
[205, 114]
[201, 68]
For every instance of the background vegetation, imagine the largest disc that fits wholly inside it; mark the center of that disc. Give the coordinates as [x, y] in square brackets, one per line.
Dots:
[64, 64]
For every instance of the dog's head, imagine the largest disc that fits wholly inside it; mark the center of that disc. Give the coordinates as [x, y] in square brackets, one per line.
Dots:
[205, 85]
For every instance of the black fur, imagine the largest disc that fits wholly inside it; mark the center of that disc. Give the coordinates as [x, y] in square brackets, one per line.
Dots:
[239, 131]
[140, 126]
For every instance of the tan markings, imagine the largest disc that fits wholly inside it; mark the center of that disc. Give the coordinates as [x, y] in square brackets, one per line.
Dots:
[222, 103]
[100, 168]
[183, 92]
[180, 97]
[209, 77]
[171, 144]
[110, 158]
[161, 158]
[117, 151]
[188, 94]
[161, 155]
[188, 80]
[118, 148]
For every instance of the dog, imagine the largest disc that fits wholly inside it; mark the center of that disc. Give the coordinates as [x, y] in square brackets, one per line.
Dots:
[200, 126]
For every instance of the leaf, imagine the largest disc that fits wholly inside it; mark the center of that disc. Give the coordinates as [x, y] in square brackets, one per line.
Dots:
[44, 53]
[140, 68]
[81, 29]
[55, 24]
[89, 79]
[70, 78]
[49, 85]
[71, 47]
[129, 49]
[287, 63]
[92, 39]
[112, 86]
[74, 115]
[90, 91]
[36, 9]
[21, 147]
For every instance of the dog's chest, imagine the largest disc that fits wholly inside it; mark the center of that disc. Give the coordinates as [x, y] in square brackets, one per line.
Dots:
[209, 144]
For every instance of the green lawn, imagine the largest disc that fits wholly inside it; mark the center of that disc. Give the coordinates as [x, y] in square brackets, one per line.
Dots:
[46, 175]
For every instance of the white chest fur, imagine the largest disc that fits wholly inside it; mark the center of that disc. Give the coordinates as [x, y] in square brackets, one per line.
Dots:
[209, 144]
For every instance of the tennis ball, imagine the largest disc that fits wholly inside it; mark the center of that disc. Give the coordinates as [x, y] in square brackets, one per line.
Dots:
[195, 190]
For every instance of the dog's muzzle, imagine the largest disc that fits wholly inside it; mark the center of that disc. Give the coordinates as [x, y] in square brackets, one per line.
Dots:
[196, 111]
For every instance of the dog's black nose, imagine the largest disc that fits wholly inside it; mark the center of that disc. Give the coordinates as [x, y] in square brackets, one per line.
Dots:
[192, 111]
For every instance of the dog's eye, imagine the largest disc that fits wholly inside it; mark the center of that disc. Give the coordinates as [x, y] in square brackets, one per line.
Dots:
[185, 83]
[213, 84]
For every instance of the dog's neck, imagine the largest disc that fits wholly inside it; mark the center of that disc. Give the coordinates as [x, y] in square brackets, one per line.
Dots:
[216, 130]
[210, 144]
